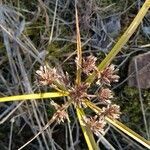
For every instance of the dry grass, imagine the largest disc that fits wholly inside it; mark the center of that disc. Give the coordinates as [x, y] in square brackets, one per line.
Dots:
[36, 32]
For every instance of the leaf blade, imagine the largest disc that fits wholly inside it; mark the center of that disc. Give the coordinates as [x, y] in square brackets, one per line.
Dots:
[79, 50]
[33, 96]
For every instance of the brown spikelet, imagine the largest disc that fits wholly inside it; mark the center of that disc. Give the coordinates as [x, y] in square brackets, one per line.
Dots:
[78, 93]
[112, 111]
[96, 124]
[46, 75]
[105, 95]
[107, 76]
[88, 64]
[60, 115]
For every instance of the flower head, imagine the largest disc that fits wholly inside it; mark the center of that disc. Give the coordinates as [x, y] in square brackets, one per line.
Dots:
[78, 93]
[112, 111]
[51, 76]
[96, 124]
[47, 75]
[88, 64]
[60, 115]
[105, 95]
[107, 75]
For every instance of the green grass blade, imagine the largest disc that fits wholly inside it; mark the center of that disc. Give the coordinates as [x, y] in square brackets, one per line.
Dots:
[33, 96]
[123, 39]
[86, 131]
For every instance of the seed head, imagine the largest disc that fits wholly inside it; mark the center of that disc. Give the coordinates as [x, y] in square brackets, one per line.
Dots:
[105, 95]
[107, 75]
[60, 115]
[112, 111]
[78, 93]
[88, 64]
[96, 124]
[47, 75]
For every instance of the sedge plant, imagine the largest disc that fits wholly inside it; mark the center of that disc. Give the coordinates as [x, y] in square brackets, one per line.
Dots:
[79, 94]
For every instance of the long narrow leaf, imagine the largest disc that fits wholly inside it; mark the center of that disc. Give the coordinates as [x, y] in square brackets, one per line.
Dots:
[79, 50]
[33, 96]
[86, 131]
[123, 39]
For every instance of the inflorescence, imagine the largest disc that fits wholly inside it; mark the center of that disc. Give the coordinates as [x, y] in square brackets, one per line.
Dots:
[79, 94]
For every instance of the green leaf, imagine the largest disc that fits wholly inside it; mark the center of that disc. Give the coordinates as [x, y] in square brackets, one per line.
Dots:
[33, 96]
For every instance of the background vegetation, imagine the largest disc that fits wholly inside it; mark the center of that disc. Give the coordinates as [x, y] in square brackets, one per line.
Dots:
[41, 32]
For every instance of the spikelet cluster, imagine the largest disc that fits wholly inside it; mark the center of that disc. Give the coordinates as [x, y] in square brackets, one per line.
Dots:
[79, 93]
